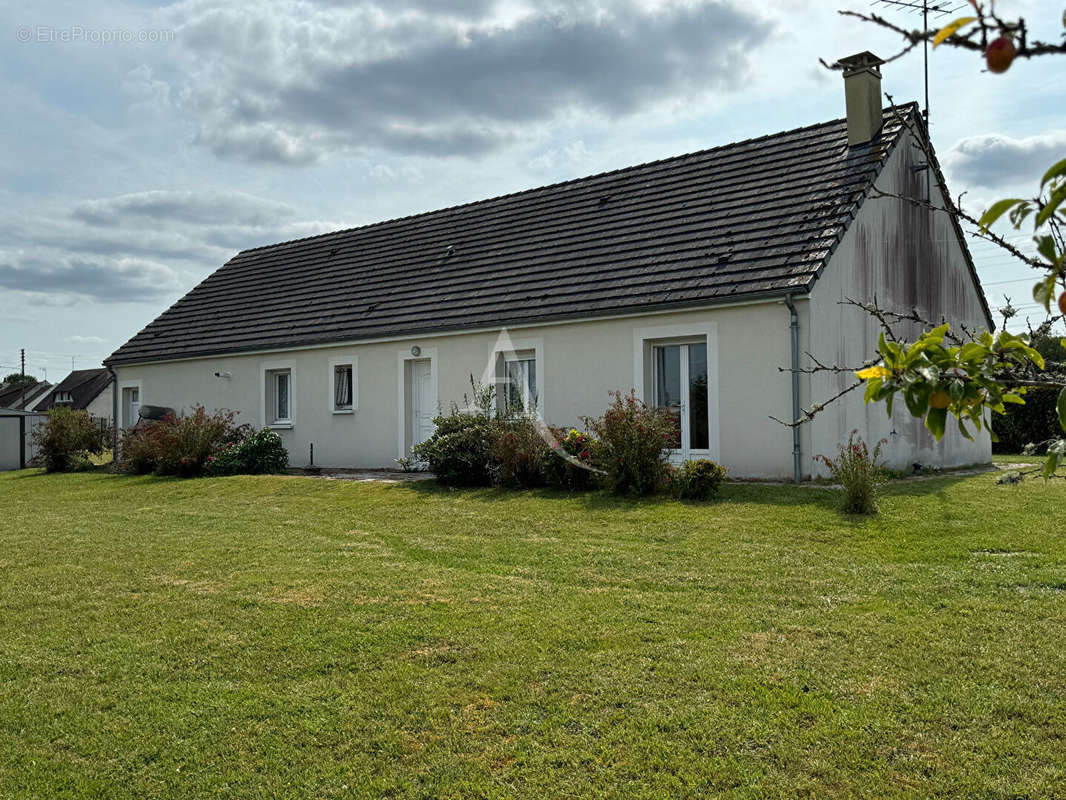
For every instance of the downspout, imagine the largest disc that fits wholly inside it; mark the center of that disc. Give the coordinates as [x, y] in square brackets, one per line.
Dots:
[114, 416]
[794, 336]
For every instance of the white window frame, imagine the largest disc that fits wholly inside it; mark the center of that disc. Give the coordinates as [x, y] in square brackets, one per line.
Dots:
[343, 361]
[122, 407]
[644, 339]
[268, 394]
[498, 353]
[529, 400]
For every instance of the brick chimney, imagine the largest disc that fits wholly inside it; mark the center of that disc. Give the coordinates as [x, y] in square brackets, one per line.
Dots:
[862, 94]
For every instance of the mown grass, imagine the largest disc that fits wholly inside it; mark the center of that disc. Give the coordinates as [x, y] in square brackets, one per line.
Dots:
[294, 637]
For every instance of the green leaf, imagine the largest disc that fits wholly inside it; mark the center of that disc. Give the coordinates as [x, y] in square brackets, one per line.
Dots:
[1010, 397]
[872, 387]
[1055, 171]
[952, 27]
[997, 210]
[1045, 245]
[963, 430]
[1018, 215]
[917, 398]
[1051, 464]
[936, 420]
[1044, 292]
[1053, 203]
[1061, 405]
[972, 351]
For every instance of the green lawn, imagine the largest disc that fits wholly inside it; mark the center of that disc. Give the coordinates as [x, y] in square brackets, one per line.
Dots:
[269, 637]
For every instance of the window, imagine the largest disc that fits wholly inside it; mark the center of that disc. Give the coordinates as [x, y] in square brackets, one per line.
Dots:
[520, 390]
[342, 387]
[64, 397]
[279, 383]
[680, 375]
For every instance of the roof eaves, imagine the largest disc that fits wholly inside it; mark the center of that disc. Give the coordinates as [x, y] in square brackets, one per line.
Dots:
[799, 288]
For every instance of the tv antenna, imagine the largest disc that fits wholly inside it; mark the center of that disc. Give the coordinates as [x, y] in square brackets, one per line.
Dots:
[938, 8]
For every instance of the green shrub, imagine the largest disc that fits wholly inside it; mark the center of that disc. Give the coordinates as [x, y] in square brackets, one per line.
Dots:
[258, 453]
[459, 452]
[699, 479]
[572, 463]
[634, 441]
[858, 470]
[66, 440]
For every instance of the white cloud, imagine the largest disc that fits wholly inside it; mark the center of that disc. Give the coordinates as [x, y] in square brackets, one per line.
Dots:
[141, 246]
[76, 339]
[993, 160]
[287, 82]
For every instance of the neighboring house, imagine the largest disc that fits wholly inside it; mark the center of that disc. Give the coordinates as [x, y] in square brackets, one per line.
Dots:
[21, 398]
[86, 389]
[675, 278]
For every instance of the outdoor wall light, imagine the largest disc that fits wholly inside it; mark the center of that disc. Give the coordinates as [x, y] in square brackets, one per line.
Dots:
[416, 351]
[226, 375]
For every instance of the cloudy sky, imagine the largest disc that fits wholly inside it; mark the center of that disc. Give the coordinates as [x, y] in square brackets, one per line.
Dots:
[144, 144]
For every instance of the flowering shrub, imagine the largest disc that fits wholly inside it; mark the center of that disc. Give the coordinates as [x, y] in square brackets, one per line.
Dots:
[858, 470]
[178, 444]
[258, 453]
[698, 480]
[635, 438]
[66, 440]
[517, 453]
[571, 464]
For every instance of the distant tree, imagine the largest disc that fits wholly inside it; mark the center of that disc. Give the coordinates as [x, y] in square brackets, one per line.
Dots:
[16, 379]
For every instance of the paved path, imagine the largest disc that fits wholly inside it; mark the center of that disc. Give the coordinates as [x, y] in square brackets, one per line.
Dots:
[369, 475]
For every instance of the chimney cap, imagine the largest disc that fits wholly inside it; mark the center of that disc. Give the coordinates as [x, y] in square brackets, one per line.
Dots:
[861, 62]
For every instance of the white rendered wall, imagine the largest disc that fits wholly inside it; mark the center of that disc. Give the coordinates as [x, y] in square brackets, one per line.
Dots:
[579, 363]
[906, 257]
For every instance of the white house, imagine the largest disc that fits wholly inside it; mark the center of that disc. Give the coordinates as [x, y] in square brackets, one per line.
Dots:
[89, 390]
[692, 280]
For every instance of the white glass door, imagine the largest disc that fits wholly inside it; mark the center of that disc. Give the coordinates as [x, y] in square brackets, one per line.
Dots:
[681, 388]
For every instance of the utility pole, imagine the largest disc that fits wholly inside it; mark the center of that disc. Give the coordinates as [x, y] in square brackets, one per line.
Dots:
[22, 376]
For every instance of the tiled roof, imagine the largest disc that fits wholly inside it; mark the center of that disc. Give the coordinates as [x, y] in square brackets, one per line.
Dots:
[755, 218]
[11, 397]
[84, 385]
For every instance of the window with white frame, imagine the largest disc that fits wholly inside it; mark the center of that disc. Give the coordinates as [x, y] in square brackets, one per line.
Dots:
[279, 396]
[343, 387]
[680, 386]
[520, 381]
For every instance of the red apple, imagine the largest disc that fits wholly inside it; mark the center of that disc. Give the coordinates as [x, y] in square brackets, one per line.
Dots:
[1000, 54]
[1062, 303]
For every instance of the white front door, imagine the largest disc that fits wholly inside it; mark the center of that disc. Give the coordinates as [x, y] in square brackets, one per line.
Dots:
[423, 401]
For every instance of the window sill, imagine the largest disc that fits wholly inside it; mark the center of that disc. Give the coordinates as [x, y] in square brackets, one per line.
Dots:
[344, 411]
[283, 426]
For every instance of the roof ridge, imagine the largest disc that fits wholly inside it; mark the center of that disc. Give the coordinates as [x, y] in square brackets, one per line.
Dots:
[560, 184]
